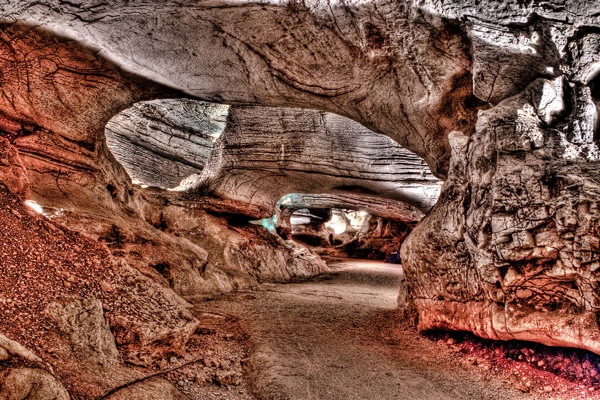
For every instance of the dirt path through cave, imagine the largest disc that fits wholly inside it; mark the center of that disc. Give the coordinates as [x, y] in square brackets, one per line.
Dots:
[338, 337]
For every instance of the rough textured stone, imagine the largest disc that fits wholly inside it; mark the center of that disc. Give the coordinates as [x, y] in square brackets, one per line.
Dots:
[30, 383]
[11, 348]
[377, 239]
[372, 205]
[513, 240]
[155, 388]
[88, 330]
[12, 172]
[44, 263]
[508, 252]
[77, 179]
[238, 254]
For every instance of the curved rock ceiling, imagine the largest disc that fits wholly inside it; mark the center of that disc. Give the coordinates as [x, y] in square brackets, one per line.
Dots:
[265, 153]
[410, 82]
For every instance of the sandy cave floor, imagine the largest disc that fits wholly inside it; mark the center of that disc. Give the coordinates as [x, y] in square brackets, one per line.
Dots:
[339, 336]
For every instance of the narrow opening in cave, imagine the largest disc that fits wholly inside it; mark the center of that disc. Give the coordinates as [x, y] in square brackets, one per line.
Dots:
[34, 206]
[330, 231]
[594, 85]
[165, 143]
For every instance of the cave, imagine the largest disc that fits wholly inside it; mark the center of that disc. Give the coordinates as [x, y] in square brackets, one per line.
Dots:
[290, 200]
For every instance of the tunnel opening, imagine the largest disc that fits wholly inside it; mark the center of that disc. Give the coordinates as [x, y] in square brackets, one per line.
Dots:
[339, 227]
[326, 228]
[594, 85]
[160, 143]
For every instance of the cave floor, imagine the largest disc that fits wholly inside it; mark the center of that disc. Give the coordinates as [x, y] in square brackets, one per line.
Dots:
[339, 336]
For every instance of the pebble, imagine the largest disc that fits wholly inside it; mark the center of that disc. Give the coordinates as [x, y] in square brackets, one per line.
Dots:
[451, 341]
[548, 389]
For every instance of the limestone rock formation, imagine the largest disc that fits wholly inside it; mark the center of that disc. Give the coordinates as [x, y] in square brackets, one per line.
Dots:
[378, 239]
[147, 389]
[510, 249]
[162, 142]
[523, 218]
[386, 224]
[266, 153]
[12, 173]
[43, 265]
[400, 70]
[373, 205]
[30, 383]
[88, 330]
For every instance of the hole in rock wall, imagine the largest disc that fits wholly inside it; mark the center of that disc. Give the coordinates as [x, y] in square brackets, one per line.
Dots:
[348, 233]
[337, 232]
[162, 142]
[34, 206]
[310, 226]
[594, 85]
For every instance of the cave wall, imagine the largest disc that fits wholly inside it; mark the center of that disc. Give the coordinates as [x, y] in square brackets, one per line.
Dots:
[511, 249]
[99, 279]
[71, 313]
[388, 223]
[162, 142]
[378, 239]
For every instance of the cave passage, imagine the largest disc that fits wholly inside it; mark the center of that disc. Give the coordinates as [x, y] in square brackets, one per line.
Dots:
[157, 155]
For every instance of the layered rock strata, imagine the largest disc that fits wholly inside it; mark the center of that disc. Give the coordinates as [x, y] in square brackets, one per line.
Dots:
[266, 153]
[396, 68]
[159, 143]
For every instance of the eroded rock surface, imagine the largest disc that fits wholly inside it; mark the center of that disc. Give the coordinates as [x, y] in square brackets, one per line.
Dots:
[162, 142]
[514, 237]
[30, 383]
[372, 205]
[266, 153]
[394, 67]
[43, 265]
[88, 330]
